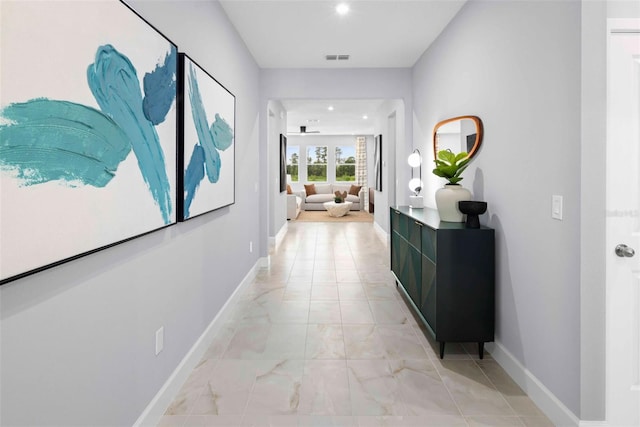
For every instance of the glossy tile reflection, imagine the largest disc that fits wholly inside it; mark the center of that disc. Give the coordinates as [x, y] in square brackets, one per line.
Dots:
[323, 337]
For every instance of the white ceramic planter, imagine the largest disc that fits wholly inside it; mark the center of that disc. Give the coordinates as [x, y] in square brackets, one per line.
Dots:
[447, 199]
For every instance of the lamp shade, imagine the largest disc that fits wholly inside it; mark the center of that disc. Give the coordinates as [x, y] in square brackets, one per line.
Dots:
[415, 185]
[288, 179]
[414, 159]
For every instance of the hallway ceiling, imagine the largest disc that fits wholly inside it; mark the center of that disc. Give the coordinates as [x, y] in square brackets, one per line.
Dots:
[375, 34]
[345, 119]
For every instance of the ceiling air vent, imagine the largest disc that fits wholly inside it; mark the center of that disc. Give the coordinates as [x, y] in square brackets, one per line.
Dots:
[336, 57]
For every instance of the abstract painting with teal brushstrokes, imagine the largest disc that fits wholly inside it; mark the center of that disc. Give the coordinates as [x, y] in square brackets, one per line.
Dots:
[87, 131]
[207, 151]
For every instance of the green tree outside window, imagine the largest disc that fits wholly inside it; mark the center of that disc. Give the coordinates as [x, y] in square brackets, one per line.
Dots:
[317, 163]
[346, 163]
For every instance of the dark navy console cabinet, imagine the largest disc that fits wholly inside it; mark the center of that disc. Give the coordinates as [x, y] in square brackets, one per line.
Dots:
[448, 272]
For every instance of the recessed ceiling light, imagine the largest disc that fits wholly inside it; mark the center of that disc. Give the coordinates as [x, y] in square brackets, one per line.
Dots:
[330, 108]
[342, 9]
[365, 117]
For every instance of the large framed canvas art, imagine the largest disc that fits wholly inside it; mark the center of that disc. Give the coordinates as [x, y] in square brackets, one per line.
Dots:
[206, 126]
[87, 131]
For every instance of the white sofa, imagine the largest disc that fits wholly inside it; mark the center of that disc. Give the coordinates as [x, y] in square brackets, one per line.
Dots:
[294, 203]
[325, 193]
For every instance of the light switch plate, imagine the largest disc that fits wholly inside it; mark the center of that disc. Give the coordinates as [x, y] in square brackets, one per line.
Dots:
[556, 207]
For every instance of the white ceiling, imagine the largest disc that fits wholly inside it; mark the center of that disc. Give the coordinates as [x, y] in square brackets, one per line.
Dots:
[375, 33]
[346, 118]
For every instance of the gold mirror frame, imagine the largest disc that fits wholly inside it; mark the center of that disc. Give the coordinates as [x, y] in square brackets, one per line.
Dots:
[476, 145]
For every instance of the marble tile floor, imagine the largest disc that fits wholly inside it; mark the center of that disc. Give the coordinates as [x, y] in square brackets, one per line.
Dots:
[324, 338]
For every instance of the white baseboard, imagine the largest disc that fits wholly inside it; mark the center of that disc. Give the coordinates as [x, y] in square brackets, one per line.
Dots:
[382, 235]
[264, 262]
[553, 408]
[593, 424]
[274, 242]
[161, 401]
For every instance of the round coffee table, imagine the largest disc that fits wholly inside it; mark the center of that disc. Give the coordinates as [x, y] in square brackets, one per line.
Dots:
[337, 209]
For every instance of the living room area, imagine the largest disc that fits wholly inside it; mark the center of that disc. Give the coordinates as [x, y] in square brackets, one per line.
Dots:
[328, 177]
[329, 159]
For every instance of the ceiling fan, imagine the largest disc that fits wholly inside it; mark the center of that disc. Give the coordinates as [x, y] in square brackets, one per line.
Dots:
[303, 130]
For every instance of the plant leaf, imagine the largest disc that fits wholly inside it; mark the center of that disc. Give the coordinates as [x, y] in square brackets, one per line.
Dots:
[461, 156]
[464, 163]
[446, 156]
[459, 171]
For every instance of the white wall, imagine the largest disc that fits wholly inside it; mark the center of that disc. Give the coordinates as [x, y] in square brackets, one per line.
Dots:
[278, 201]
[78, 339]
[516, 65]
[387, 83]
[592, 287]
[395, 170]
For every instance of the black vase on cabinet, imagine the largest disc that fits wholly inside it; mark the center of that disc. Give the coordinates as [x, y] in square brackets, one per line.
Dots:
[448, 273]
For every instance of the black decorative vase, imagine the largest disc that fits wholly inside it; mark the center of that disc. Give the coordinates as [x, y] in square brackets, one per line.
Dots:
[473, 210]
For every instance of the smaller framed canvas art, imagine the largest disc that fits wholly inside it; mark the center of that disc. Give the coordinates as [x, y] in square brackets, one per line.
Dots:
[206, 152]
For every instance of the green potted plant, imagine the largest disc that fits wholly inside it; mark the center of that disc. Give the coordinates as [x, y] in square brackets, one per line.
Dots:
[450, 166]
[340, 197]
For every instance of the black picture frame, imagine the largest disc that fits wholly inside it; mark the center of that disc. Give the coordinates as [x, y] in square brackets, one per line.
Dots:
[378, 162]
[283, 163]
[100, 216]
[207, 195]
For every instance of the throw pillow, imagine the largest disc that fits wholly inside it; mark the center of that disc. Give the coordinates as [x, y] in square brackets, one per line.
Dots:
[355, 189]
[310, 189]
[289, 189]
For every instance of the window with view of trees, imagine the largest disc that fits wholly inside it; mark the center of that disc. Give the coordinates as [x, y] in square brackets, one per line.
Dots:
[316, 163]
[346, 163]
[293, 161]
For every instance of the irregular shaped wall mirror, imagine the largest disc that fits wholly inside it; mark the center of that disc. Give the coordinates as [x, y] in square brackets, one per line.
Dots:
[458, 134]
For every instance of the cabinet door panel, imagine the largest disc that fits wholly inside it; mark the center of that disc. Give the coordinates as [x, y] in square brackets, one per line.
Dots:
[415, 234]
[412, 277]
[466, 284]
[395, 220]
[428, 292]
[399, 223]
[429, 243]
[396, 253]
